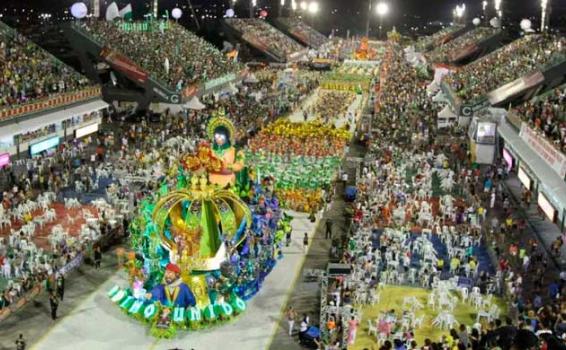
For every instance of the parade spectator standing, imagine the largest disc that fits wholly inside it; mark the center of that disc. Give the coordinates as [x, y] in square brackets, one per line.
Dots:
[97, 256]
[20, 343]
[54, 303]
[291, 315]
[328, 234]
[60, 286]
[352, 330]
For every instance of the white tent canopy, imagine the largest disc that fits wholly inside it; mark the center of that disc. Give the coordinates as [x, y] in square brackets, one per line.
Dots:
[446, 113]
[195, 104]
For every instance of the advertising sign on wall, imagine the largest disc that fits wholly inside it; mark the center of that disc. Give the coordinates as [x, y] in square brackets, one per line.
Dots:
[44, 145]
[508, 159]
[124, 65]
[4, 159]
[546, 207]
[524, 178]
[86, 130]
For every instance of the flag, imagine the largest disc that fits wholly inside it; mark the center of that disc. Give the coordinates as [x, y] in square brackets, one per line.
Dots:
[126, 12]
[166, 65]
[112, 12]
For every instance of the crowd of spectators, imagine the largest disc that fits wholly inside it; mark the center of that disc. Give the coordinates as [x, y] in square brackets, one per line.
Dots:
[547, 114]
[28, 73]
[262, 33]
[426, 42]
[172, 55]
[530, 285]
[513, 61]
[445, 53]
[304, 32]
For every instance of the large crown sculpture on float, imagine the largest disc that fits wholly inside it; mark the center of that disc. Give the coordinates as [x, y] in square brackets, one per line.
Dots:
[191, 222]
[193, 262]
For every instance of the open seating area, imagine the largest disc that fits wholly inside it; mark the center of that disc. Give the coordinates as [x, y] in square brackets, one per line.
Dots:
[437, 38]
[444, 53]
[259, 32]
[547, 115]
[28, 73]
[513, 61]
[173, 55]
[303, 31]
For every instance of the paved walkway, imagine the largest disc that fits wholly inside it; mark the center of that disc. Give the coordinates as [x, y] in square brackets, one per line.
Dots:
[97, 324]
[34, 320]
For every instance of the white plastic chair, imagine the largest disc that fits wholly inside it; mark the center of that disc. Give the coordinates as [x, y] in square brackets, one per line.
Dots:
[372, 329]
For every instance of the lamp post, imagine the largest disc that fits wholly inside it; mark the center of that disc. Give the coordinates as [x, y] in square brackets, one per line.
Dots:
[368, 19]
[498, 10]
[313, 9]
[484, 8]
[281, 6]
[253, 4]
[155, 8]
[544, 17]
[459, 13]
[382, 10]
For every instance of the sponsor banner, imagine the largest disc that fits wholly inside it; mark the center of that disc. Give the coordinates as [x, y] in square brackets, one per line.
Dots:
[124, 65]
[44, 145]
[546, 207]
[553, 157]
[85, 130]
[211, 84]
[73, 264]
[515, 87]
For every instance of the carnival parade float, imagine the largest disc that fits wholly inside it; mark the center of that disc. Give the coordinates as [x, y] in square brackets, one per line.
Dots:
[198, 250]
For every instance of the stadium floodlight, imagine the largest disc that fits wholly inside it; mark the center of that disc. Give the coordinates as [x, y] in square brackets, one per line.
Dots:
[543, 6]
[459, 11]
[313, 7]
[382, 9]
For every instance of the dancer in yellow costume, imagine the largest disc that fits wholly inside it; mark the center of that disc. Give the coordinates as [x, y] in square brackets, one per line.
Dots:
[221, 132]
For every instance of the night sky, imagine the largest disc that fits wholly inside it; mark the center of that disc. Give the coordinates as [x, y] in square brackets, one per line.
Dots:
[334, 14]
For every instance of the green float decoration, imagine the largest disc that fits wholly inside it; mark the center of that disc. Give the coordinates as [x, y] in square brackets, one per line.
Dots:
[150, 311]
[117, 297]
